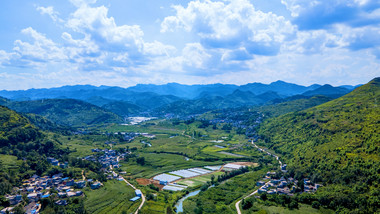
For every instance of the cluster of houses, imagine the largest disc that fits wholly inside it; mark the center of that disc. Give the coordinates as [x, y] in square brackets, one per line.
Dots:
[37, 188]
[55, 162]
[283, 186]
[109, 158]
[130, 136]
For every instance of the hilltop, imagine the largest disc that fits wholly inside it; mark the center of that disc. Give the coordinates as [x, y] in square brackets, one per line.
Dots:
[337, 143]
[66, 112]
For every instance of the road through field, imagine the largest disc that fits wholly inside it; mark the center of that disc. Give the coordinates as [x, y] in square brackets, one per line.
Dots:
[237, 205]
[142, 196]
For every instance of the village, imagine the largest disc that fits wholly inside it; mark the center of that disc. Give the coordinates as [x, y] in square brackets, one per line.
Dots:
[37, 188]
[288, 186]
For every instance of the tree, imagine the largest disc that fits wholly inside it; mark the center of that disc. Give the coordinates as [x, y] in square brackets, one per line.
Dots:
[141, 161]
[315, 204]
[293, 204]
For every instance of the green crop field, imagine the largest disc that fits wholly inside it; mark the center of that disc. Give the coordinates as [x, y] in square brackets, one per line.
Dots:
[161, 162]
[198, 181]
[112, 198]
[9, 161]
[303, 208]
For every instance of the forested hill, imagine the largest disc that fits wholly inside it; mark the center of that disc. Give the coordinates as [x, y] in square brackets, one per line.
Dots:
[66, 112]
[15, 128]
[336, 143]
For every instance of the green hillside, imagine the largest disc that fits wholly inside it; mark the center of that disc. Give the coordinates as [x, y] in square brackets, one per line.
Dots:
[15, 128]
[66, 112]
[274, 110]
[336, 143]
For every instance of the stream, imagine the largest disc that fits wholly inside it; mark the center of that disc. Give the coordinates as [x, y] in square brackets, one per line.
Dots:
[179, 206]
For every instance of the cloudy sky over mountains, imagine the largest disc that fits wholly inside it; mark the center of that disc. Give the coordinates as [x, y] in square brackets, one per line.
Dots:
[125, 42]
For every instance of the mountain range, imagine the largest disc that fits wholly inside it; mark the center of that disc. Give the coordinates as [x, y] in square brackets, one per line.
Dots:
[173, 97]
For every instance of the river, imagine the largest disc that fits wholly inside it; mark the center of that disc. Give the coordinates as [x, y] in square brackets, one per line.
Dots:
[179, 205]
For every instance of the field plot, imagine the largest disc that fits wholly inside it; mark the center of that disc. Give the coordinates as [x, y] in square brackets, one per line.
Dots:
[160, 163]
[112, 198]
[200, 180]
[10, 161]
[303, 208]
[82, 144]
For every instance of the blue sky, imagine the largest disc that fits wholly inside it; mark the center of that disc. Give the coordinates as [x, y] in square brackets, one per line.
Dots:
[125, 42]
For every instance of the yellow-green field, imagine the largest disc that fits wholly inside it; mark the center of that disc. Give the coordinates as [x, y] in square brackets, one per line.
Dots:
[198, 181]
[113, 197]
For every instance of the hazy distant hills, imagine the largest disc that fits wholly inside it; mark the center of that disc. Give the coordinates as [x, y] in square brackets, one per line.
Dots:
[176, 98]
[337, 143]
[329, 91]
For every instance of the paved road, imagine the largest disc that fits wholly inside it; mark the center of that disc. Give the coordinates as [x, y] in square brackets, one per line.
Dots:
[142, 196]
[237, 205]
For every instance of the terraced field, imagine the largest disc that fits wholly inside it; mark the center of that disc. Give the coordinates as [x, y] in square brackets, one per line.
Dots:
[112, 198]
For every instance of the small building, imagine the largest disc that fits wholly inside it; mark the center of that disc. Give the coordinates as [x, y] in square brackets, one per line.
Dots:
[32, 197]
[61, 202]
[70, 194]
[64, 165]
[135, 198]
[95, 185]
[260, 183]
[30, 189]
[261, 190]
[70, 183]
[80, 184]
[138, 192]
[55, 162]
[78, 193]
[61, 194]
[45, 196]
[283, 167]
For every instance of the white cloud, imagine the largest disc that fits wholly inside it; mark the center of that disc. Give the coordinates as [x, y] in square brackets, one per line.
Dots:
[41, 50]
[80, 3]
[230, 24]
[95, 22]
[51, 12]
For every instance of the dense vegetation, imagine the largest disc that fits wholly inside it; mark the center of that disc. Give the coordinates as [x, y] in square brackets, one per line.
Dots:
[66, 112]
[19, 139]
[221, 198]
[336, 143]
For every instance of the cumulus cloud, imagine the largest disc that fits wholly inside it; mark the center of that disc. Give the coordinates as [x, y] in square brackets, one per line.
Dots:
[231, 25]
[95, 22]
[230, 40]
[41, 50]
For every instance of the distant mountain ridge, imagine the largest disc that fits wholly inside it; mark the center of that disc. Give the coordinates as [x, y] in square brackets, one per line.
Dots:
[174, 97]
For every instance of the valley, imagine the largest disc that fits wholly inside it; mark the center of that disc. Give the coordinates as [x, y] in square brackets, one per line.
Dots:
[229, 146]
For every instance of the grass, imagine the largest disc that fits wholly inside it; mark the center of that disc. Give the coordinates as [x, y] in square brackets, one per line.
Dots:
[112, 198]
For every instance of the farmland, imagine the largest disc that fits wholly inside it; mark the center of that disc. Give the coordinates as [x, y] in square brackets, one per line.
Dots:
[112, 198]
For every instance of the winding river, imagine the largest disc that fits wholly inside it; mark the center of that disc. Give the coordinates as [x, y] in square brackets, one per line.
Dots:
[179, 206]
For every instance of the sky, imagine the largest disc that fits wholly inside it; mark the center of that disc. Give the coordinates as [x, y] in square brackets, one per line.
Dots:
[51, 43]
